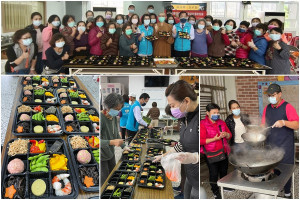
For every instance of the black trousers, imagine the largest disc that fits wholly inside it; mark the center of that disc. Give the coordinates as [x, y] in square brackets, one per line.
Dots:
[131, 135]
[182, 53]
[216, 170]
[123, 131]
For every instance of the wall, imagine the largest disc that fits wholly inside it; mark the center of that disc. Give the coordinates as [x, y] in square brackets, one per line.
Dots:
[55, 7]
[136, 85]
[230, 88]
[247, 94]
[141, 6]
[74, 8]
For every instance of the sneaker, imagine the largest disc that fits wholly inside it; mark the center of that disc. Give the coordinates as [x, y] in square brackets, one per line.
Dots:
[180, 196]
[228, 189]
[177, 188]
[288, 195]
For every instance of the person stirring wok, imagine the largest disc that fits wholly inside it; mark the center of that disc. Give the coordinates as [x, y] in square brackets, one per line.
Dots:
[283, 119]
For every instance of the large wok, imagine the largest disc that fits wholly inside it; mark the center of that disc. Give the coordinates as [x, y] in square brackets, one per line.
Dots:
[256, 161]
[255, 135]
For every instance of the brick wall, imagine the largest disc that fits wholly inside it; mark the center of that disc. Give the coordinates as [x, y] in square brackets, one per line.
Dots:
[247, 95]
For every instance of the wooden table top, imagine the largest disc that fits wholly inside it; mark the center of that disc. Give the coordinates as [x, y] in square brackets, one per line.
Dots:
[145, 193]
[9, 136]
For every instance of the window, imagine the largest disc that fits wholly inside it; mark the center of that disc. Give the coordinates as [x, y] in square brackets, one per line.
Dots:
[258, 9]
[16, 14]
[291, 11]
[225, 10]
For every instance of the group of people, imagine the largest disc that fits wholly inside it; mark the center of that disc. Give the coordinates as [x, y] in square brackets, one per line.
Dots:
[218, 136]
[38, 47]
[182, 104]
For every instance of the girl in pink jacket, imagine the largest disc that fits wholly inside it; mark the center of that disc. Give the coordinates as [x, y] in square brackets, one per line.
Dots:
[95, 35]
[51, 29]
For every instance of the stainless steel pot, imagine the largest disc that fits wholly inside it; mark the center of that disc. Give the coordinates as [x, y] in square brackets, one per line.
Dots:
[256, 161]
[255, 135]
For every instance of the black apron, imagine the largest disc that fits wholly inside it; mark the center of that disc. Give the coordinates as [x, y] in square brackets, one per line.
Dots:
[280, 137]
[189, 139]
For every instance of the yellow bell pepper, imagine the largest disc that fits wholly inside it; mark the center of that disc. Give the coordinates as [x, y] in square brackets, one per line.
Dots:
[82, 96]
[49, 94]
[51, 118]
[58, 162]
[94, 118]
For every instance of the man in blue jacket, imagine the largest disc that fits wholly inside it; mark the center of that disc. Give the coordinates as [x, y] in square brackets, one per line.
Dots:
[135, 116]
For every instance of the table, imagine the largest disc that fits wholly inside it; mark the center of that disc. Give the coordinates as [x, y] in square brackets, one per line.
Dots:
[272, 187]
[145, 193]
[9, 135]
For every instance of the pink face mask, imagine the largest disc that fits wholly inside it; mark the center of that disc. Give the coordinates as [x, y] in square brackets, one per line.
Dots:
[177, 113]
[271, 26]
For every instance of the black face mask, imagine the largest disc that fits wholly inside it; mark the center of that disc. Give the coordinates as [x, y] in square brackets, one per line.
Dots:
[144, 104]
[183, 20]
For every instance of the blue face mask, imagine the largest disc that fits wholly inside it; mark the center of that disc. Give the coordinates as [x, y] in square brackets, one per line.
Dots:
[236, 112]
[150, 10]
[216, 28]
[201, 26]
[183, 20]
[81, 28]
[228, 27]
[71, 24]
[153, 21]
[272, 100]
[27, 42]
[131, 10]
[60, 44]
[215, 117]
[120, 21]
[257, 33]
[113, 112]
[55, 23]
[170, 21]
[275, 37]
[242, 30]
[37, 22]
[147, 22]
[99, 24]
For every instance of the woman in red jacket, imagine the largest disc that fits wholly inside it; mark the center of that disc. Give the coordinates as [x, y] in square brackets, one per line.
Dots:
[244, 37]
[95, 36]
[214, 136]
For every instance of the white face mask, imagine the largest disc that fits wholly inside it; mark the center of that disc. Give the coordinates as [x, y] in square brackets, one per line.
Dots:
[134, 21]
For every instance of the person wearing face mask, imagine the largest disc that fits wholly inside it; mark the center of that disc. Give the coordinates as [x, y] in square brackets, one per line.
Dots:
[192, 20]
[171, 20]
[110, 41]
[275, 23]
[21, 55]
[182, 46]
[69, 31]
[150, 9]
[214, 137]
[49, 31]
[283, 118]
[244, 37]
[89, 20]
[259, 44]
[236, 122]
[134, 21]
[202, 39]
[110, 137]
[36, 29]
[119, 23]
[123, 114]
[95, 36]
[132, 98]
[230, 50]
[153, 19]
[131, 11]
[81, 40]
[145, 46]
[127, 42]
[184, 105]
[277, 56]
[56, 55]
[135, 117]
[108, 16]
[254, 22]
[162, 46]
[220, 40]
[209, 19]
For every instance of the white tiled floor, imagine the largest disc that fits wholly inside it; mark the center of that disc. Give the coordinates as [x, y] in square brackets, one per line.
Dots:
[8, 90]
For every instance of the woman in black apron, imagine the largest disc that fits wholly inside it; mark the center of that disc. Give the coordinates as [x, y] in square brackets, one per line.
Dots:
[184, 105]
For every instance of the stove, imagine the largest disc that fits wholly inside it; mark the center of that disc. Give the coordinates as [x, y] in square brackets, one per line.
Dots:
[268, 183]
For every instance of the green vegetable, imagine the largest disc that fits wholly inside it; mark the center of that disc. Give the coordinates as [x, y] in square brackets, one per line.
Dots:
[83, 117]
[152, 167]
[35, 157]
[147, 119]
[151, 178]
[131, 155]
[117, 193]
[74, 94]
[128, 165]
[36, 78]
[64, 80]
[40, 91]
[123, 176]
[40, 169]
[38, 116]
[38, 163]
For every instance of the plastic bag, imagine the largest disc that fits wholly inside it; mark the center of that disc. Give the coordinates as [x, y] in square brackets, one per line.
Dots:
[172, 167]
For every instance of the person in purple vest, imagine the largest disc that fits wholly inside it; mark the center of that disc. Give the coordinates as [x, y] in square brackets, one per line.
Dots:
[284, 119]
[202, 39]
[214, 137]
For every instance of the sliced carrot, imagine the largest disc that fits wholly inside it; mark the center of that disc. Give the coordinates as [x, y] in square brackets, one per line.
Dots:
[63, 101]
[88, 181]
[25, 82]
[69, 129]
[25, 99]
[10, 192]
[20, 129]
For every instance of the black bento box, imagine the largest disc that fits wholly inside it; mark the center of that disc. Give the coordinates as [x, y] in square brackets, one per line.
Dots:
[126, 192]
[92, 164]
[29, 177]
[32, 97]
[83, 100]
